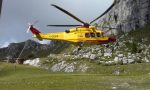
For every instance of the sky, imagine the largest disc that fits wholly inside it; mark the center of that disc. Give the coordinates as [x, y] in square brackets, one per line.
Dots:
[16, 14]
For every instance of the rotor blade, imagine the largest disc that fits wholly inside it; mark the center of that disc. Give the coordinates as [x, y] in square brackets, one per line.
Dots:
[64, 25]
[35, 22]
[105, 32]
[68, 13]
[104, 12]
[109, 27]
[28, 30]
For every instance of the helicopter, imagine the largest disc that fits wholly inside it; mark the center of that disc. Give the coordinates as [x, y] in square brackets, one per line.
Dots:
[82, 33]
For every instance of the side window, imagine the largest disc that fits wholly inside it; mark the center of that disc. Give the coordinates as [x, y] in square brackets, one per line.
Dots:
[92, 34]
[98, 34]
[102, 34]
[87, 35]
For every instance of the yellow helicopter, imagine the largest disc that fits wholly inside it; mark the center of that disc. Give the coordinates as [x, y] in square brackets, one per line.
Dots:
[84, 33]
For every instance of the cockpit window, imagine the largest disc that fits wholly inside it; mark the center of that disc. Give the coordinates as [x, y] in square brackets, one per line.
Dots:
[98, 34]
[67, 31]
[87, 35]
[102, 34]
[92, 34]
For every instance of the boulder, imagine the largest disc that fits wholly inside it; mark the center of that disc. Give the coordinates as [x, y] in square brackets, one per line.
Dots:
[116, 59]
[69, 68]
[107, 54]
[125, 60]
[59, 66]
[120, 55]
[130, 61]
[93, 56]
[86, 56]
[34, 62]
[83, 68]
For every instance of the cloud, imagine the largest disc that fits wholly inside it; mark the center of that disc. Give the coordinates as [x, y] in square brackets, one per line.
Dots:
[6, 43]
[44, 41]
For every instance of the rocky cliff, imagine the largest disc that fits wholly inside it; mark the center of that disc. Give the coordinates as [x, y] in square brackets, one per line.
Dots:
[127, 15]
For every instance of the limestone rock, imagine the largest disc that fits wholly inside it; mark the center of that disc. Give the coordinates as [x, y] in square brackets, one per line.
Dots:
[93, 56]
[107, 54]
[34, 62]
[131, 61]
[116, 59]
[127, 15]
[83, 68]
[120, 55]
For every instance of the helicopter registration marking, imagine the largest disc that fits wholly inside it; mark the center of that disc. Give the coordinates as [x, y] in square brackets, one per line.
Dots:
[53, 36]
[80, 36]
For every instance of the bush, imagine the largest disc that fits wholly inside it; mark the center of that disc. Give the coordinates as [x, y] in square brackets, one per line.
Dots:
[134, 48]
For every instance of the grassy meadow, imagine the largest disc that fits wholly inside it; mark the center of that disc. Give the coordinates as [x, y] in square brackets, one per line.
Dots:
[131, 77]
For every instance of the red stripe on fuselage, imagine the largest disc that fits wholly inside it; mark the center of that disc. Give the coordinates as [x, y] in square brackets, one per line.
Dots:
[83, 27]
[34, 30]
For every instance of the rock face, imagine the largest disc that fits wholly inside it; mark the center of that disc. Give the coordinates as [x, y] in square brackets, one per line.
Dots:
[66, 67]
[69, 67]
[127, 15]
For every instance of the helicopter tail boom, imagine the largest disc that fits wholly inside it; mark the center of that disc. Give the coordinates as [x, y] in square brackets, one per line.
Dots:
[34, 30]
[36, 33]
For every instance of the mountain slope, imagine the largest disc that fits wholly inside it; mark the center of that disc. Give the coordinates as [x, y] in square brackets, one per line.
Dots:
[130, 48]
[32, 49]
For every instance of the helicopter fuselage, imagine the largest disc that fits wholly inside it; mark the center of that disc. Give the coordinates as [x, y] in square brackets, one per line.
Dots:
[77, 35]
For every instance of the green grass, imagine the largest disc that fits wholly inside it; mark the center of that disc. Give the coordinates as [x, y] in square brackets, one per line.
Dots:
[132, 77]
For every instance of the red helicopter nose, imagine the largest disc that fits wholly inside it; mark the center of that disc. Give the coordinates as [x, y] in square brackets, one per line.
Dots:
[112, 39]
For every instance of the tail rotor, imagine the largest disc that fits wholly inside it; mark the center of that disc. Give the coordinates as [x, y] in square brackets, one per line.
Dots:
[31, 25]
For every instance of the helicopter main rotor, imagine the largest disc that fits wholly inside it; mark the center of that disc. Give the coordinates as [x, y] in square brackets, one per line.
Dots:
[77, 19]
